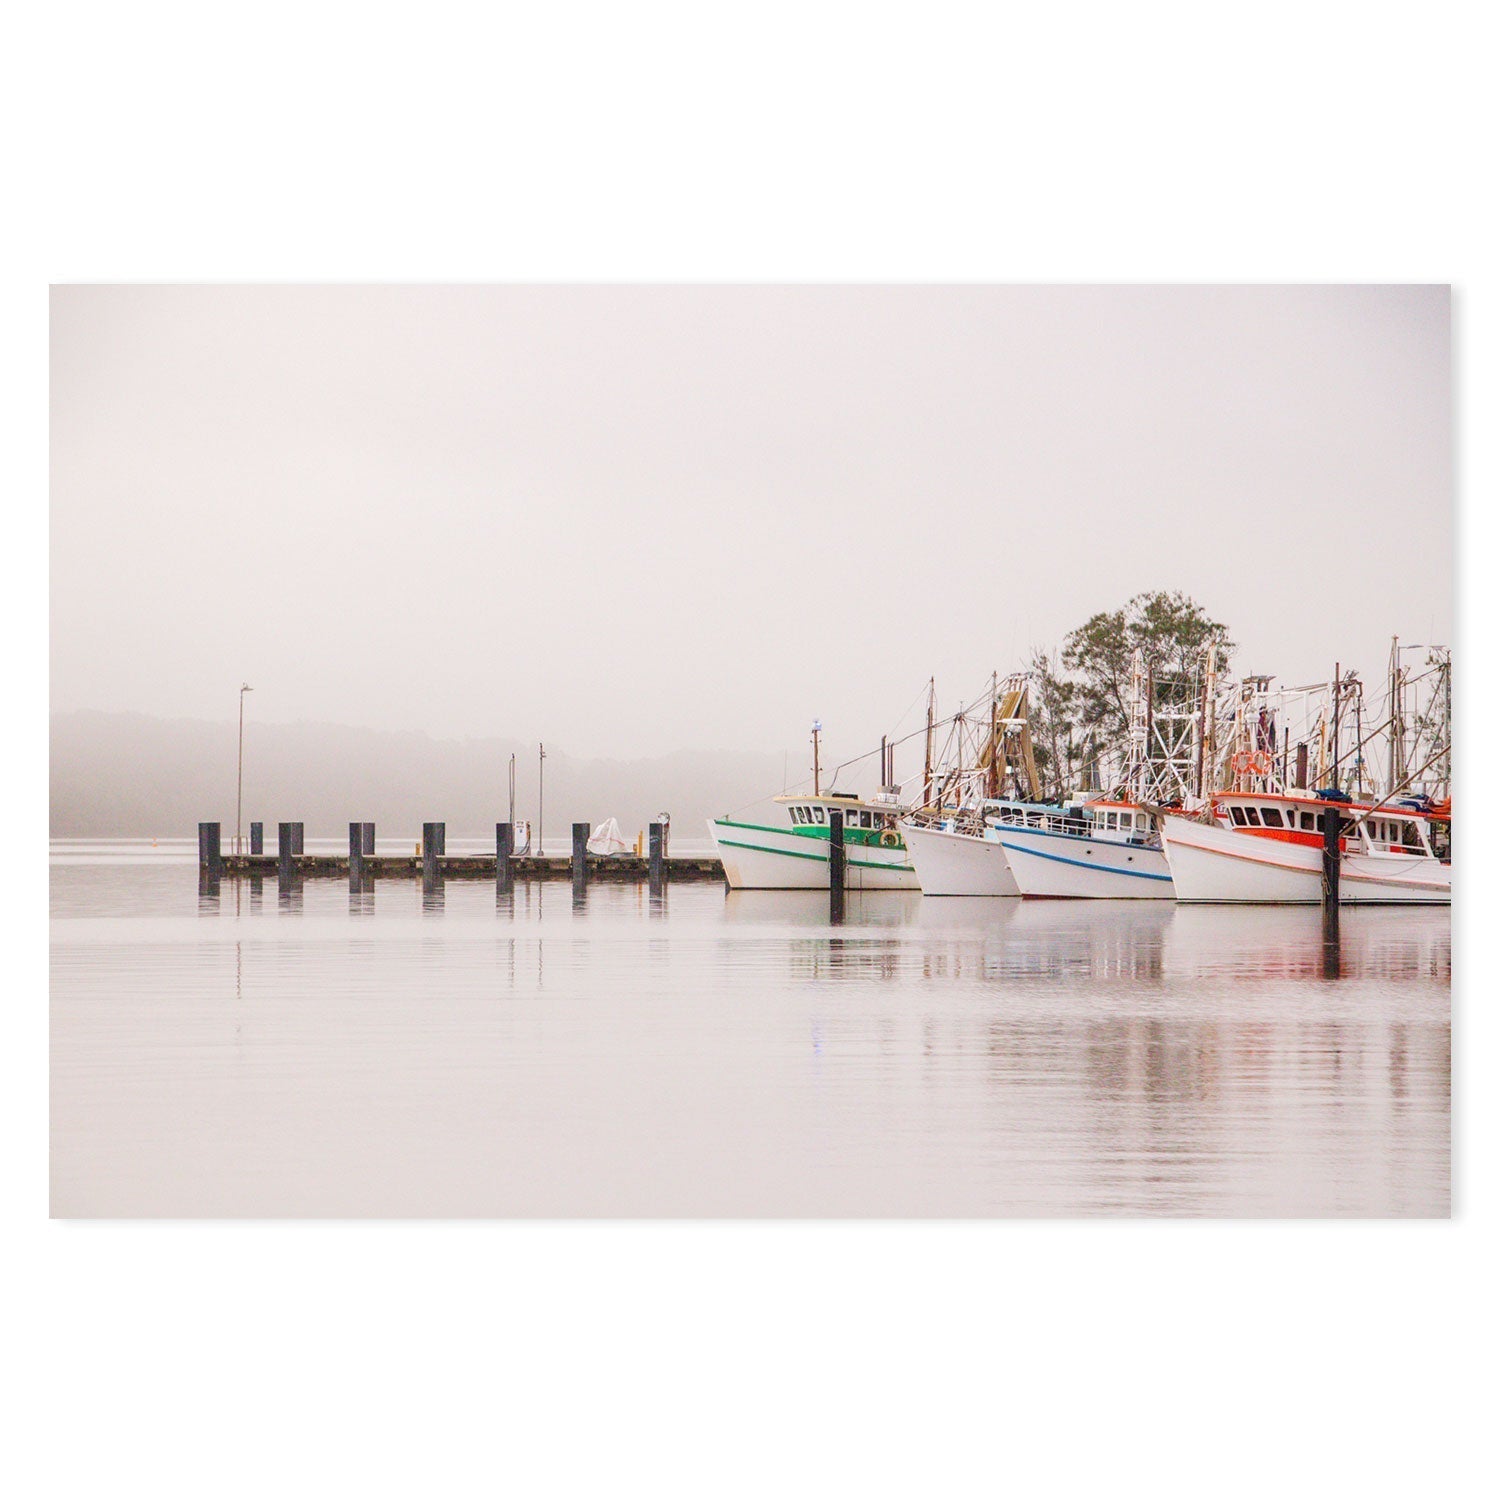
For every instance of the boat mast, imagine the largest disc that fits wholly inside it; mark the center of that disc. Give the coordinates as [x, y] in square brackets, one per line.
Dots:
[993, 757]
[1398, 724]
[1206, 747]
[927, 762]
[1337, 684]
[817, 787]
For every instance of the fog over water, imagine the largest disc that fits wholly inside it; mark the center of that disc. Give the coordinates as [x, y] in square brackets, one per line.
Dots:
[634, 520]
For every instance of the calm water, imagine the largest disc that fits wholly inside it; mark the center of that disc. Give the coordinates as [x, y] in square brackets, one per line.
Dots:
[321, 1053]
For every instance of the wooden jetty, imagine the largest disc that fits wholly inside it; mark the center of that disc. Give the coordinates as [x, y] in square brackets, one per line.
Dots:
[431, 861]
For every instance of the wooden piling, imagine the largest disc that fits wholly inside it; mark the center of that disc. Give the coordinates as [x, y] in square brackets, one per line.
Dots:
[1332, 827]
[285, 850]
[356, 854]
[433, 838]
[656, 867]
[367, 839]
[835, 865]
[505, 847]
[257, 838]
[210, 855]
[580, 855]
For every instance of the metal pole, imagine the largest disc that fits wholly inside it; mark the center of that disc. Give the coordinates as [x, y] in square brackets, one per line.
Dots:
[541, 756]
[239, 790]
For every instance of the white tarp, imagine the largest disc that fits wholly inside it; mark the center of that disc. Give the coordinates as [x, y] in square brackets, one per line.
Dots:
[607, 839]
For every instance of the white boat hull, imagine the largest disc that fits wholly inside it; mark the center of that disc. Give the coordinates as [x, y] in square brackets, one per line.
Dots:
[958, 864]
[1058, 865]
[756, 858]
[1213, 864]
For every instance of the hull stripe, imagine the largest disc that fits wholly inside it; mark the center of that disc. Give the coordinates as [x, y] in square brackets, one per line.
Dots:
[1083, 864]
[867, 864]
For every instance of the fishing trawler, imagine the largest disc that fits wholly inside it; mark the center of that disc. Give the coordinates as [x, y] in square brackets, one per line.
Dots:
[1260, 839]
[1265, 847]
[1101, 850]
[794, 855]
[992, 846]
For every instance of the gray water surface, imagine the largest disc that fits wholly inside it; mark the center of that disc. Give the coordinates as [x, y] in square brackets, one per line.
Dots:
[454, 1053]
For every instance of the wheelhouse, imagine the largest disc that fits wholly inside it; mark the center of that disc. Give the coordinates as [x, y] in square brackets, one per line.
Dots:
[864, 822]
[1394, 829]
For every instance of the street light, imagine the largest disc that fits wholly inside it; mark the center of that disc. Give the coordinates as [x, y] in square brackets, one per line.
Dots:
[239, 791]
[541, 755]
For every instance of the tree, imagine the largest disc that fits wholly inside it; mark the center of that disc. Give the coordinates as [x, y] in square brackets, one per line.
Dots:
[1171, 632]
[1053, 711]
[1083, 695]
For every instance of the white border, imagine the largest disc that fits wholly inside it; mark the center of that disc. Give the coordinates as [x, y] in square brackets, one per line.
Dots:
[660, 143]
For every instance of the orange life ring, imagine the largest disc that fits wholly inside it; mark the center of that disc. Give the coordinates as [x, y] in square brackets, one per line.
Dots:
[1252, 763]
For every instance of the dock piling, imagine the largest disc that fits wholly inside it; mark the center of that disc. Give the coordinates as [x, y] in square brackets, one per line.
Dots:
[257, 838]
[433, 839]
[505, 847]
[656, 868]
[356, 854]
[580, 858]
[285, 848]
[1332, 826]
[210, 856]
[835, 865]
[367, 838]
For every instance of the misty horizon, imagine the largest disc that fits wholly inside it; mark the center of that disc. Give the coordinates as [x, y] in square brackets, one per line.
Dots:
[626, 519]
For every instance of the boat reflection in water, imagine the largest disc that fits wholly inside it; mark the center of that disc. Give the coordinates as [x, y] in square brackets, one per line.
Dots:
[1141, 1057]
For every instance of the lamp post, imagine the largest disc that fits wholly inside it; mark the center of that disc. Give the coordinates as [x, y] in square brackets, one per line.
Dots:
[239, 790]
[541, 756]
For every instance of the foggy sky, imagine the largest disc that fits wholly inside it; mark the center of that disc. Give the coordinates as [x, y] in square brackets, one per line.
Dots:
[630, 520]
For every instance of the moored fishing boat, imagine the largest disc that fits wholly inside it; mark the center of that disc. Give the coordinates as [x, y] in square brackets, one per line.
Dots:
[1264, 847]
[955, 859]
[794, 855]
[1101, 850]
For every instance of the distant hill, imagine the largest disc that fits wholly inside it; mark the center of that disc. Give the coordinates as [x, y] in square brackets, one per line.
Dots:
[133, 776]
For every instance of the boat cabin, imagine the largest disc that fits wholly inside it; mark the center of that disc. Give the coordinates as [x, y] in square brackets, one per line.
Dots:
[864, 822]
[1392, 829]
[1109, 822]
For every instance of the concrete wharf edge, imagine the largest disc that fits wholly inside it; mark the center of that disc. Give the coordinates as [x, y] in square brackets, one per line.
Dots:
[621, 867]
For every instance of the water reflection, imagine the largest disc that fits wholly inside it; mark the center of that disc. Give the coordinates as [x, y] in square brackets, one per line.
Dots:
[701, 1052]
[433, 894]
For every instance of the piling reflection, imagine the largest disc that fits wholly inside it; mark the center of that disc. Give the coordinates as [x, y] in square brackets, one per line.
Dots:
[362, 896]
[208, 893]
[432, 894]
[289, 894]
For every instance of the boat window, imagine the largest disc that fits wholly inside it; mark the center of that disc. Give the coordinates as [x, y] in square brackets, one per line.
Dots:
[1238, 814]
[1252, 817]
[1272, 817]
[1309, 821]
[818, 815]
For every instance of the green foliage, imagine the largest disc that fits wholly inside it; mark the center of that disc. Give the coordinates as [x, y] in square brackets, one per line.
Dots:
[1081, 697]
